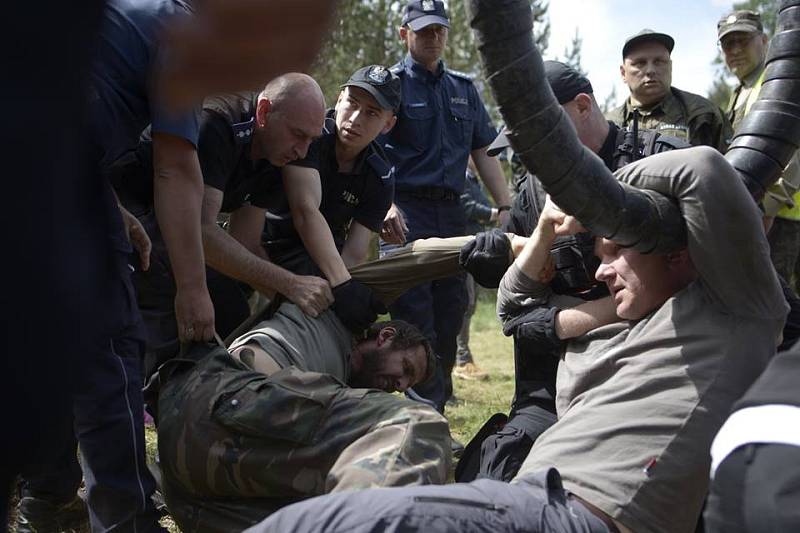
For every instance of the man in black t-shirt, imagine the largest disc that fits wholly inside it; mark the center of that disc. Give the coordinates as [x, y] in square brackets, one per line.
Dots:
[244, 138]
[338, 196]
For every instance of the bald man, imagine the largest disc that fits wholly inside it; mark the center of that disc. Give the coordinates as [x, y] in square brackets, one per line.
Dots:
[244, 139]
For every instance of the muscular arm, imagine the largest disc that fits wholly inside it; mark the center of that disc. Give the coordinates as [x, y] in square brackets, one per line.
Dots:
[232, 258]
[246, 225]
[492, 176]
[583, 318]
[178, 194]
[304, 194]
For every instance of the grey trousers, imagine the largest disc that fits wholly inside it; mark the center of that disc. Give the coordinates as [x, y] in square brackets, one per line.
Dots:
[535, 504]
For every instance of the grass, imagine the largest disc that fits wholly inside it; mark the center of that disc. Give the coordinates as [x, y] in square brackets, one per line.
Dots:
[478, 400]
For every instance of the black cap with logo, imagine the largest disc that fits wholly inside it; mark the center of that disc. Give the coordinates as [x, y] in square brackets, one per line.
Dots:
[381, 83]
[421, 13]
[743, 20]
[646, 36]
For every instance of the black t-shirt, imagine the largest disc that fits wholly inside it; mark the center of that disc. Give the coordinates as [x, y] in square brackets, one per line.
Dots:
[226, 127]
[364, 195]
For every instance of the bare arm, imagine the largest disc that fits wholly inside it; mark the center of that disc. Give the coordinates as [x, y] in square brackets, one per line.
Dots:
[178, 194]
[492, 176]
[304, 194]
[583, 318]
[246, 225]
[232, 258]
[356, 246]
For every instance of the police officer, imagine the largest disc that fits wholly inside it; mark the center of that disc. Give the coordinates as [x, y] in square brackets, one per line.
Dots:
[653, 103]
[243, 140]
[497, 452]
[744, 48]
[337, 197]
[442, 122]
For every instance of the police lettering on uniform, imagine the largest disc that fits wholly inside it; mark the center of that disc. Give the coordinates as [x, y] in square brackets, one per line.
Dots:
[243, 140]
[442, 122]
[336, 198]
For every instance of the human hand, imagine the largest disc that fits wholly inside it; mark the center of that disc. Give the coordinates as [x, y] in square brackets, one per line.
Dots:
[555, 220]
[394, 226]
[137, 236]
[356, 305]
[310, 293]
[194, 314]
[231, 45]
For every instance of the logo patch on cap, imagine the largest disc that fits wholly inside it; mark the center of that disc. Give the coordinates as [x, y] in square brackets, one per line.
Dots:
[731, 19]
[428, 5]
[378, 74]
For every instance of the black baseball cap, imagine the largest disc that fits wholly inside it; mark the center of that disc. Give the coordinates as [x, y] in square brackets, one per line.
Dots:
[566, 83]
[381, 83]
[421, 13]
[645, 36]
[742, 20]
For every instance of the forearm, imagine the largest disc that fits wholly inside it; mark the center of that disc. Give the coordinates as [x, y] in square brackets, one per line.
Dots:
[579, 320]
[231, 258]
[318, 241]
[492, 176]
[178, 195]
[535, 251]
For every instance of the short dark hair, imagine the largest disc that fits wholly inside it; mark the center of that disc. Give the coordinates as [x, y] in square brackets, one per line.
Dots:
[407, 336]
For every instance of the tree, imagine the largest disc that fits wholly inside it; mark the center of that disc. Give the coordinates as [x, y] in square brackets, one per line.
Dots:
[572, 54]
[366, 32]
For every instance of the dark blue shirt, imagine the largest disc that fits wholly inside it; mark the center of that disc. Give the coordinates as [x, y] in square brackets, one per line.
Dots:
[441, 120]
[123, 74]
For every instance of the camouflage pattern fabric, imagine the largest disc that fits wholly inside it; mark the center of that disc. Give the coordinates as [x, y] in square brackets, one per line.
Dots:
[236, 445]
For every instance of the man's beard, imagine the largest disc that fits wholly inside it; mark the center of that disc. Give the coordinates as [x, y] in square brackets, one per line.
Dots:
[372, 361]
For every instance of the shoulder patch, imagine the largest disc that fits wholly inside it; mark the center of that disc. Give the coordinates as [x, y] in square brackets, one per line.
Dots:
[459, 74]
[243, 131]
[382, 168]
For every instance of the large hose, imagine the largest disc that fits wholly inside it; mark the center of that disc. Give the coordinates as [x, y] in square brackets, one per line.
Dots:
[545, 140]
[770, 132]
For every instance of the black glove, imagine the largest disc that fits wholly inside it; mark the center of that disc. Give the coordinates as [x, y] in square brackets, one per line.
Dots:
[356, 305]
[537, 325]
[487, 257]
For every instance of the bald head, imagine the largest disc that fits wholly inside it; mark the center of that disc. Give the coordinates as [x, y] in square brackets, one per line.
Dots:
[292, 87]
[290, 114]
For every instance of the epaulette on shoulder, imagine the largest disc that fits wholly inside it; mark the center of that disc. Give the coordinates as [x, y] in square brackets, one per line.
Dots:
[382, 167]
[243, 131]
[459, 74]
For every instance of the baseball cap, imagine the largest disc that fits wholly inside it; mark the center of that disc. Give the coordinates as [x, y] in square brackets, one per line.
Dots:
[421, 13]
[566, 83]
[742, 20]
[647, 35]
[381, 83]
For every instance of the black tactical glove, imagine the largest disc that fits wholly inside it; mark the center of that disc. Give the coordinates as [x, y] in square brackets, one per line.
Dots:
[537, 325]
[356, 305]
[487, 257]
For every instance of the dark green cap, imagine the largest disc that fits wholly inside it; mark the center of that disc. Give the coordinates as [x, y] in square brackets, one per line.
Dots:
[645, 36]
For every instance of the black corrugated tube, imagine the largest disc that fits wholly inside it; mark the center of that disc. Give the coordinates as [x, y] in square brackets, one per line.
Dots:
[770, 133]
[545, 140]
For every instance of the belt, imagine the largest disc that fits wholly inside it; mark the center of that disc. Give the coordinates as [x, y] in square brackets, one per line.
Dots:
[430, 193]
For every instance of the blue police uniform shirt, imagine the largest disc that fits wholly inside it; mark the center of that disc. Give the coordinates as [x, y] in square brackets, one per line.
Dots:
[126, 63]
[441, 120]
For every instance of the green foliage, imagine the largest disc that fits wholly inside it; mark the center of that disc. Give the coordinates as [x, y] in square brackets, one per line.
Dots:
[366, 32]
[572, 54]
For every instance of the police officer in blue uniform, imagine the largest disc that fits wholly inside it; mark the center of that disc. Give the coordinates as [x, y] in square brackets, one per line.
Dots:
[442, 122]
[337, 197]
[244, 139]
[107, 404]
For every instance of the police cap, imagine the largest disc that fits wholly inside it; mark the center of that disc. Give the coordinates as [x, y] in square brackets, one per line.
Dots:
[381, 83]
[421, 13]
